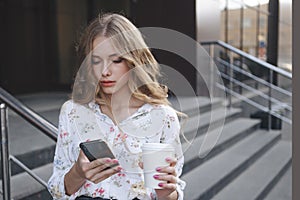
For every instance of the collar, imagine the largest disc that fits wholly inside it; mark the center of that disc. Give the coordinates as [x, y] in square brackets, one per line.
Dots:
[143, 110]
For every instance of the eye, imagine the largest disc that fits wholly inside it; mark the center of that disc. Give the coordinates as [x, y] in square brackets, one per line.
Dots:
[118, 60]
[96, 60]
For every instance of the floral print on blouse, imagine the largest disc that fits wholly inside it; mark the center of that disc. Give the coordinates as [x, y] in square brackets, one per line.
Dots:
[78, 123]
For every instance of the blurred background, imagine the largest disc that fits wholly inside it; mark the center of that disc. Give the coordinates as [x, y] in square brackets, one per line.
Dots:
[39, 37]
[249, 42]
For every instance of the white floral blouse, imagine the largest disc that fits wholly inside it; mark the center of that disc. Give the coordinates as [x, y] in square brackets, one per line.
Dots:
[78, 123]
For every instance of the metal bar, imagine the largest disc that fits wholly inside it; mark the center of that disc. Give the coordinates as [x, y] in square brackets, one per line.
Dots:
[253, 58]
[260, 80]
[29, 115]
[242, 97]
[253, 103]
[258, 92]
[5, 153]
[230, 77]
[30, 172]
[257, 29]
[211, 67]
[226, 21]
[270, 101]
[242, 26]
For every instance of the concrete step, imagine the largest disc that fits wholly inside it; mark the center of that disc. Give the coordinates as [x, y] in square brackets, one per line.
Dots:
[283, 189]
[200, 124]
[231, 133]
[23, 185]
[213, 175]
[193, 106]
[44, 101]
[261, 176]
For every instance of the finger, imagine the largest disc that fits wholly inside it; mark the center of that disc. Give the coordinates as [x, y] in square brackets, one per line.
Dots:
[94, 167]
[99, 165]
[168, 186]
[167, 170]
[141, 165]
[105, 174]
[101, 161]
[171, 161]
[82, 157]
[166, 178]
[94, 171]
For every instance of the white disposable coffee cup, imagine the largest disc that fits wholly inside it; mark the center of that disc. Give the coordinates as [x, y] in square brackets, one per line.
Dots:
[154, 155]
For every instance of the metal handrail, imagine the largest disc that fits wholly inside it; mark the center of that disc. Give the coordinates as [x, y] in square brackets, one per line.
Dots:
[260, 80]
[253, 103]
[229, 75]
[28, 114]
[250, 57]
[7, 100]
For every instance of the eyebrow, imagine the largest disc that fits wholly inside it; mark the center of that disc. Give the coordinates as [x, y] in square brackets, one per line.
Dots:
[112, 55]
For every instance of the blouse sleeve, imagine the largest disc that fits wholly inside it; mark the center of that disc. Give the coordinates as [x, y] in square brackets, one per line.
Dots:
[171, 135]
[62, 162]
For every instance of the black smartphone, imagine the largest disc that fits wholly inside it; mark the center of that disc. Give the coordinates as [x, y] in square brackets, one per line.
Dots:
[96, 149]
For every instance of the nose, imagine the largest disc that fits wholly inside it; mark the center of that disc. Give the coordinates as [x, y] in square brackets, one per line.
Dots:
[106, 70]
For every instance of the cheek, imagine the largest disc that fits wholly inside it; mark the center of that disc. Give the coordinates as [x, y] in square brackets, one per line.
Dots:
[126, 75]
[97, 72]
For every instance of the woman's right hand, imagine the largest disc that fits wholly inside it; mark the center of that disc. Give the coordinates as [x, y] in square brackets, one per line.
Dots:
[97, 170]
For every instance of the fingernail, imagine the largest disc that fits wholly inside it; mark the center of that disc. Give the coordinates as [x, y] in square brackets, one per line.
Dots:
[156, 176]
[168, 159]
[158, 169]
[119, 168]
[115, 161]
[160, 184]
[108, 160]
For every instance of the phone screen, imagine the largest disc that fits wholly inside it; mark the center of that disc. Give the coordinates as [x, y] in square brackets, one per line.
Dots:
[96, 149]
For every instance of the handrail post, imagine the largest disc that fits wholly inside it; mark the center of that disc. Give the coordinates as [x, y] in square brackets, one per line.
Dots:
[270, 100]
[5, 163]
[230, 78]
[211, 67]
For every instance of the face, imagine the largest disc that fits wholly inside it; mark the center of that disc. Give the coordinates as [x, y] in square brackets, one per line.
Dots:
[109, 68]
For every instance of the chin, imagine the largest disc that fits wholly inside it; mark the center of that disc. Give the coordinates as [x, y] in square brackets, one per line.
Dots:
[108, 91]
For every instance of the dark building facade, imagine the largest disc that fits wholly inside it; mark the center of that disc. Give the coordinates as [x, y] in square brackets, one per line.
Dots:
[39, 37]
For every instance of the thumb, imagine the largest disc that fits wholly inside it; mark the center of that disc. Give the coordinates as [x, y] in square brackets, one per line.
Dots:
[141, 165]
[82, 157]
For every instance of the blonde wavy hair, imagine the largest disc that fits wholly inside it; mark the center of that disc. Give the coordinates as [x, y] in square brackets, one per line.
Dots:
[126, 39]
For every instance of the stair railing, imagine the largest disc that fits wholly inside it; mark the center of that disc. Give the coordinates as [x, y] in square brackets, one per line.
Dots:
[8, 101]
[234, 64]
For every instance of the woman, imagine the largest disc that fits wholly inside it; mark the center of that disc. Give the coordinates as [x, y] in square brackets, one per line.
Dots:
[117, 85]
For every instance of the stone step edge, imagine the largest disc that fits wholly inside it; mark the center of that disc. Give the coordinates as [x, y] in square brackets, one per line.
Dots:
[222, 144]
[262, 186]
[234, 171]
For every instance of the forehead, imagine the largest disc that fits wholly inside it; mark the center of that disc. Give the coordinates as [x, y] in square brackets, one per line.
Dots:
[103, 47]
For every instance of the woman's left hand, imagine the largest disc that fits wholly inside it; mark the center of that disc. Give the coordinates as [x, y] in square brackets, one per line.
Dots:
[168, 190]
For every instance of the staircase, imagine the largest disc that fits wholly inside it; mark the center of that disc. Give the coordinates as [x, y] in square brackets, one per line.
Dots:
[245, 163]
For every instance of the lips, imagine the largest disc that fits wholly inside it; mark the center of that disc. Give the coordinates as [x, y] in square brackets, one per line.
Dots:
[107, 83]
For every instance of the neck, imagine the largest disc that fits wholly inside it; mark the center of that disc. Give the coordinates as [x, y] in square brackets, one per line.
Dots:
[120, 107]
[119, 99]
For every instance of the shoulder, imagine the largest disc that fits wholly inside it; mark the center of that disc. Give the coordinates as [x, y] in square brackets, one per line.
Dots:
[167, 109]
[71, 105]
[67, 105]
